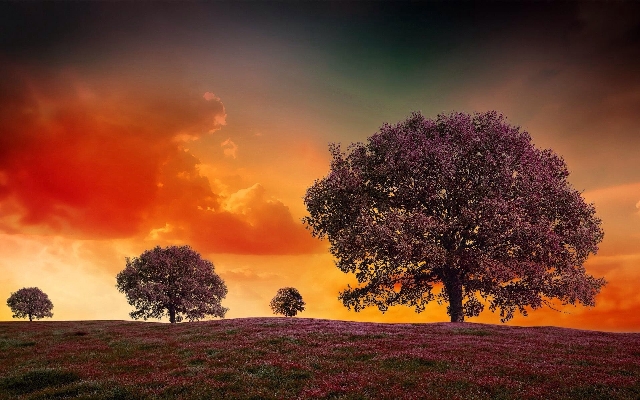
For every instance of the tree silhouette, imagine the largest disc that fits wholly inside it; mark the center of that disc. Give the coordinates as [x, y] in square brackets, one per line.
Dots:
[30, 303]
[287, 302]
[173, 281]
[462, 201]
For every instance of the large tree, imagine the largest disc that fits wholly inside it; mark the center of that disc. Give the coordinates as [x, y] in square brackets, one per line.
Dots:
[465, 202]
[173, 281]
[30, 303]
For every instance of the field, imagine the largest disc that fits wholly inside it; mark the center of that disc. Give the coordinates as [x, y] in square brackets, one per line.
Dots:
[296, 358]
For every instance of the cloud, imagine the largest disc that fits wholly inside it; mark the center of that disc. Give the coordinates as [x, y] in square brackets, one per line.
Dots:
[220, 119]
[208, 96]
[240, 201]
[74, 164]
[230, 149]
[245, 222]
[248, 275]
[156, 234]
[616, 205]
[104, 162]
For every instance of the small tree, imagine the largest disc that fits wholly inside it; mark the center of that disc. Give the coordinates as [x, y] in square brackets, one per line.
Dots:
[30, 302]
[173, 281]
[463, 201]
[287, 302]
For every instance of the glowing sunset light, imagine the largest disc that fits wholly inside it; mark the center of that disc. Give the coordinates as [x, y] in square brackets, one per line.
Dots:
[128, 126]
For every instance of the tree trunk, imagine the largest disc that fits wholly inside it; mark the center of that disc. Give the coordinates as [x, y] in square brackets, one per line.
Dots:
[30, 317]
[453, 286]
[172, 314]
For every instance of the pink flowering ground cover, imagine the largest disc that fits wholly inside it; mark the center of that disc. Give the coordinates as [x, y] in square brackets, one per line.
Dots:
[296, 358]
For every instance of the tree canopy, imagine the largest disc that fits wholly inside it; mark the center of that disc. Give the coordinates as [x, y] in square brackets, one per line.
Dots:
[30, 303]
[173, 281]
[455, 209]
[287, 302]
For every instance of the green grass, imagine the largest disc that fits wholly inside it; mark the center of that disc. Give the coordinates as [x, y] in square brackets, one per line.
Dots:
[36, 380]
[277, 358]
[413, 364]
[471, 331]
[8, 342]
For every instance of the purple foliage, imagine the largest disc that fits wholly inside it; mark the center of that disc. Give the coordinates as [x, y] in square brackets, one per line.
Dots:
[174, 281]
[465, 201]
[30, 303]
[287, 302]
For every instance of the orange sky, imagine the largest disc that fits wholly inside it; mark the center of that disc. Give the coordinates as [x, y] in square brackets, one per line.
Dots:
[125, 127]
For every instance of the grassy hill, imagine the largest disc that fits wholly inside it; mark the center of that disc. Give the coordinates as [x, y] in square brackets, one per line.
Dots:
[278, 358]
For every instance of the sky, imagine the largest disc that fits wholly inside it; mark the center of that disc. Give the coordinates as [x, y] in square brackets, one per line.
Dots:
[124, 126]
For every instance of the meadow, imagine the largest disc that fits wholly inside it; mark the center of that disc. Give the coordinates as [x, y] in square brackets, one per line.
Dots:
[298, 358]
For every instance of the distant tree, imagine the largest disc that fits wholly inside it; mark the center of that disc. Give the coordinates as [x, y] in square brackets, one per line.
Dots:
[287, 302]
[173, 281]
[30, 303]
[465, 201]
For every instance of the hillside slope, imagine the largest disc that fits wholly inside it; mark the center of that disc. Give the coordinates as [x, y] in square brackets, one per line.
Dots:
[278, 358]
